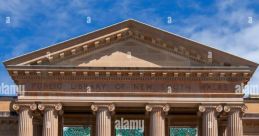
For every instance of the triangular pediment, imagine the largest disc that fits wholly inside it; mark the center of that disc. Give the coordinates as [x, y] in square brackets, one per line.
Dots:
[128, 53]
[129, 44]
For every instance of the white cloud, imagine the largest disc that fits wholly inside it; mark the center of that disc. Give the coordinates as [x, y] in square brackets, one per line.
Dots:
[228, 30]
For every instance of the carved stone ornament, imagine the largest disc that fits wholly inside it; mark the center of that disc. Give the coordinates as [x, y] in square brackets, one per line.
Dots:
[229, 108]
[111, 107]
[166, 108]
[218, 108]
[19, 106]
[151, 107]
[16, 107]
[226, 108]
[96, 107]
[41, 107]
[33, 107]
[244, 108]
[148, 108]
[202, 108]
[57, 107]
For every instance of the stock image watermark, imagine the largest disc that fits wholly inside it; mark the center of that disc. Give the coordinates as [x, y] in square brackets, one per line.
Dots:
[7, 20]
[169, 20]
[251, 89]
[250, 20]
[124, 124]
[88, 20]
[7, 89]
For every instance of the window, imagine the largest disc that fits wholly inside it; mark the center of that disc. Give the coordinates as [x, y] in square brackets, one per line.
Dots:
[76, 131]
[183, 131]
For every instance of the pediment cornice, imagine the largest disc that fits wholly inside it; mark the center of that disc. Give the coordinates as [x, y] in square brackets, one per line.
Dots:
[106, 40]
[117, 73]
[42, 61]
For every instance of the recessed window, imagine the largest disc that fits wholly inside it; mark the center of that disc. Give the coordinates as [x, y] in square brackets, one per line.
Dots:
[183, 131]
[76, 131]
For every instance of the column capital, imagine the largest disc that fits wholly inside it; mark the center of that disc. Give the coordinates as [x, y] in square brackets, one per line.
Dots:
[19, 106]
[231, 108]
[163, 107]
[217, 108]
[55, 106]
[109, 107]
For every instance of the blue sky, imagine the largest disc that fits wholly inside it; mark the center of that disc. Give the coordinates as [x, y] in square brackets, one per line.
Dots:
[222, 24]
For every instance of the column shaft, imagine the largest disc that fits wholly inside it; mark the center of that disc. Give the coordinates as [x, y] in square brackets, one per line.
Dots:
[50, 122]
[235, 126]
[25, 122]
[157, 123]
[210, 124]
[103, 122]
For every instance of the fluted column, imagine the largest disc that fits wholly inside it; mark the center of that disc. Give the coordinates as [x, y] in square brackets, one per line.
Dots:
[103, 118]
[50, 119]
[157, 119]
[235, 124]
[209, 119]
[25, 118]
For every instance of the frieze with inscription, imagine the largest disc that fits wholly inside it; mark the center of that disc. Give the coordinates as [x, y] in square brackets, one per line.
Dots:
[133, 86]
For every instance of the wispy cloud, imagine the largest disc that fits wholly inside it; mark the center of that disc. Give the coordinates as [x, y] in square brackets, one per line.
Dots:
[227, 29]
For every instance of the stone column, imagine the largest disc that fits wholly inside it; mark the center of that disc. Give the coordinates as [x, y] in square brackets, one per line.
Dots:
[103, 118]
[25, 118]
[209, 119]
[235, 124]
[50, 119]
[157, 119]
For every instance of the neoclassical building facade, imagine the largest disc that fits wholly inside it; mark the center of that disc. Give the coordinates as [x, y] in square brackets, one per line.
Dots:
[131, 71]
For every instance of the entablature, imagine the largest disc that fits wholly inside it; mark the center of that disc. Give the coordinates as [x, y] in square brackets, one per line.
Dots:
[131, 73]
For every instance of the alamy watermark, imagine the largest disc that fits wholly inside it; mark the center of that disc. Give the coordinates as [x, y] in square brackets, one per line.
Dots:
[129, 124]
[252, 89]
[7, 20]
[169, 20]
[9, 89]
[88, 20]
[250, 20]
